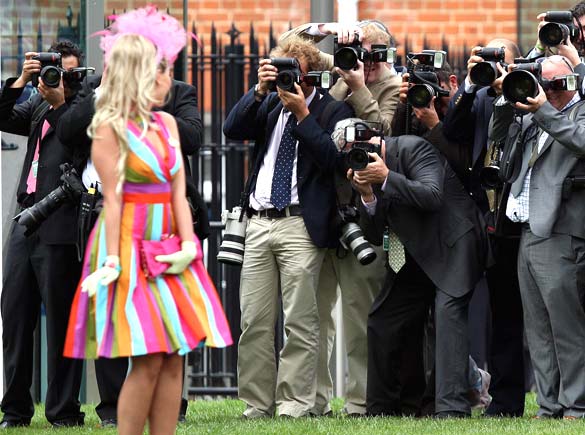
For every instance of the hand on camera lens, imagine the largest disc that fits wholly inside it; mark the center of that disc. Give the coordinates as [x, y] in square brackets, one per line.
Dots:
[29, 67]
[354, 78]
[375, 173]
[497, 83]
[569, 51]
[404, 86]
[54, 96]
[296, 103]
[427, 115]
[533, 104]
[473, 59]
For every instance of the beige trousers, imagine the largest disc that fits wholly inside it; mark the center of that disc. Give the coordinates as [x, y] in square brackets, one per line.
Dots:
[358, 285]
[279, 250]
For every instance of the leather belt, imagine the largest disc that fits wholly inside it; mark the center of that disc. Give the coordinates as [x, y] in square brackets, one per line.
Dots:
[272, 213]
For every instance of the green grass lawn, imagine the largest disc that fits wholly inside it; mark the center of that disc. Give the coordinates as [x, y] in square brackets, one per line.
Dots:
[223, 417]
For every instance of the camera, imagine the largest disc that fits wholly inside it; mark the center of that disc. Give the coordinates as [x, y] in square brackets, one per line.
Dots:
[70, 190]
[358, 135]
[421, 73]
[320, 79]
[484, 73]
[522, 82]
[50, 69]
[567, 82]
[352, 238]
[231, 250]
[346, 56]
[289, 73]
[489, 176]
[559, 26]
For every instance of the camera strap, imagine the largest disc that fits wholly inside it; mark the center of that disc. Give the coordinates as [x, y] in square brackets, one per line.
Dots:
[39, 114]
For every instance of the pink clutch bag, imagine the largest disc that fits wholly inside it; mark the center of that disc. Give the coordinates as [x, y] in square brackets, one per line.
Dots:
[149, 249]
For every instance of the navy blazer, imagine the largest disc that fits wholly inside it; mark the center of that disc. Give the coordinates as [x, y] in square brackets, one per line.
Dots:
[316, 154]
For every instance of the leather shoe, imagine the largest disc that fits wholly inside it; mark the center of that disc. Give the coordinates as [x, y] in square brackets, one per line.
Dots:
[109, 423]
[68, 422]
[7, 424]
[182, 418]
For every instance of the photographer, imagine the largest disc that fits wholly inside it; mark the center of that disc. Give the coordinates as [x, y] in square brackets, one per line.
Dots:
[42, 267]
[291, 203]
[467, 122]
[429, 225]
[370, 88]
[546, 169]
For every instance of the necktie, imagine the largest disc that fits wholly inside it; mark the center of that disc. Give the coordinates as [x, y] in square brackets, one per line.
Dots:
[283, 168]
[530, 141]
[395, 249]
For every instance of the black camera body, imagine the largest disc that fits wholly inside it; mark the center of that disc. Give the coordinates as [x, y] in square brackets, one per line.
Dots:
[484, 73]
[289, 73]
[346, 56]
[320, 79]
[51, 69]
[421, 74]
[359, 134]
[70, 190]
[558, 28]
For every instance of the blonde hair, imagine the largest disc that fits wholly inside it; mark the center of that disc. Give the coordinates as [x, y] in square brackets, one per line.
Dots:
[374, 34]
[127, 91]
[295, 46]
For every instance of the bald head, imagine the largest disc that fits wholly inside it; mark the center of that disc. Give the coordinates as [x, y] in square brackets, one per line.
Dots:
[512, 50]
[555, 66]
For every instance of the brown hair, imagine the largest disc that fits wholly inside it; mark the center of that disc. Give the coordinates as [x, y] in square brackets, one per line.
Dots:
[295, 46]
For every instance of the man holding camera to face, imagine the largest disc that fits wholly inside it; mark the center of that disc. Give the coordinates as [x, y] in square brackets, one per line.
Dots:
[544, 162]
[370, 86]
[290, 204]
[466, 122]
[42, 265]
[428, 225]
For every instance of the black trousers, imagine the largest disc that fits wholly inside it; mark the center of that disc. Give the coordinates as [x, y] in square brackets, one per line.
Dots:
[506, 358]
[396, 376]
[33, 273]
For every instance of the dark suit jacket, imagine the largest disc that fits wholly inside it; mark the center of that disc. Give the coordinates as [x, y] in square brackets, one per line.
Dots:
[562, 156]
[59, 228]
[425, 205]
[182, 104]
[467, 122]
[316, 157]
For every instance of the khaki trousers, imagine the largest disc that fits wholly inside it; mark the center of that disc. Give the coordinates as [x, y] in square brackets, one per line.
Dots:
[359, 285]
[279, 249]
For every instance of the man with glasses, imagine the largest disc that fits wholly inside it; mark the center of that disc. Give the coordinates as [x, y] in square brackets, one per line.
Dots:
[547, 198]
[371, 89]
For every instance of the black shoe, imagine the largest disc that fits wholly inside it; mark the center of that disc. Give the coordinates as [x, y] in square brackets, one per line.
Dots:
[182, 418]
[109, 423]
[68, 422]
[451, 414]
[7, 424]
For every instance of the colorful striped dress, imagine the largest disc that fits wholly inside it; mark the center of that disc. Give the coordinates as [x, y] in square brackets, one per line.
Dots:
[136, 315]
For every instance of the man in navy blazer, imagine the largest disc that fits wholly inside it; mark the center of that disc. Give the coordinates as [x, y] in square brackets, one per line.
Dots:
[291, 205]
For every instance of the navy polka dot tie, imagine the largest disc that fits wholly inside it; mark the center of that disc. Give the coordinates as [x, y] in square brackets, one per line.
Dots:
[282, 178]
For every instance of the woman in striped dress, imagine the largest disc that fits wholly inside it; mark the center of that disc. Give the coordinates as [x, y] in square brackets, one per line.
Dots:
[118, 311]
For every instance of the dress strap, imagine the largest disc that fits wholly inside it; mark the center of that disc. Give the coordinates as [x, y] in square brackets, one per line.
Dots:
[162, 125]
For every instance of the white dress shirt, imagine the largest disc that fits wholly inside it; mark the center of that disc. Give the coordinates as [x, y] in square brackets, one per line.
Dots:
[260, 198]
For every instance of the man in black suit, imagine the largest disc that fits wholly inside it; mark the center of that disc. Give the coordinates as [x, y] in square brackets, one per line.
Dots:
[291, 204]
[437, 249]
[467, 122]
[71, 129]
[43, 267]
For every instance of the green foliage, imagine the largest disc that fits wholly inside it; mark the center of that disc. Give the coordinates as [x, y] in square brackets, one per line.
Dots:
[223, 417]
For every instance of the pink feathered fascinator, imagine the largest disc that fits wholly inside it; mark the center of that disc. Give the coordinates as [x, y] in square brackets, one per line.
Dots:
[164, 31]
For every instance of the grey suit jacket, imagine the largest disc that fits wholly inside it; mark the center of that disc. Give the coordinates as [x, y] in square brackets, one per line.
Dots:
[375, 102]
[562, 155]
[425, 205]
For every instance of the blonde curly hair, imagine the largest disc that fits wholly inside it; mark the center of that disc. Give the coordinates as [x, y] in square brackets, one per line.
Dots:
[295, 46]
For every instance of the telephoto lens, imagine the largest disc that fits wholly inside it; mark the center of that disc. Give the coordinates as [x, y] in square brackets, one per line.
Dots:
[231, 250]
[357, 159]
[553, 34]
[51, 76]
[420, 95]
[353, 239]
[519, 85]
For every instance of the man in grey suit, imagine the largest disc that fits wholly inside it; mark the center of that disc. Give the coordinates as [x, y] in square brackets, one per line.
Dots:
[548, 198]
[426, 216]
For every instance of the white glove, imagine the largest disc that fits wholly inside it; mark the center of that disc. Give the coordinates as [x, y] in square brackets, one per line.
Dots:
[180, 259]
[105, 275]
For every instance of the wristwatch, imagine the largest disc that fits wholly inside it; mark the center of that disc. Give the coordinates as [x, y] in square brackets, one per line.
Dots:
[259, 96]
